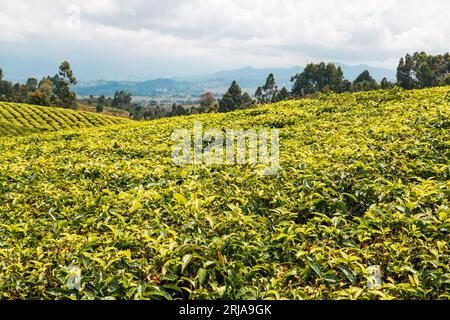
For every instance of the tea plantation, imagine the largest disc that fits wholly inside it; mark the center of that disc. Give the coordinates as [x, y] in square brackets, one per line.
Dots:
[19, 119]
[104, 214]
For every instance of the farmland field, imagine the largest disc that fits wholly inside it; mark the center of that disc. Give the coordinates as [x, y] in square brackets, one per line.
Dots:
[103, 213]
[20, 119]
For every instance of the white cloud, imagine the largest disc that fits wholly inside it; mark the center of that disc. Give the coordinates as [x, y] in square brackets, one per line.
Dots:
[232, 33]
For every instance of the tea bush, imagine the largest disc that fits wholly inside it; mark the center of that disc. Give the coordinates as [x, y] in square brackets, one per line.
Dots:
[20, 119]
[104, 214]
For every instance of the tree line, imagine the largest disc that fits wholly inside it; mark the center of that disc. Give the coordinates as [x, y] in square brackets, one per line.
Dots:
[415, 71]
[49, 91]
[206, 104]
[419, 70]
[121, 100]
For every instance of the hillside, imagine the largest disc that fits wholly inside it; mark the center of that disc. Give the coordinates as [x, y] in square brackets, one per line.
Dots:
[19, 119]
[365, 181]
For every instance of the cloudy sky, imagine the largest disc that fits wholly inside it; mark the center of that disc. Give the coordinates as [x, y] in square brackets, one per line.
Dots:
[137, 39]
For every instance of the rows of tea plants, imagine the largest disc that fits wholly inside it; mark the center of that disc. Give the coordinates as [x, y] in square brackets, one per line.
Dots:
[19, 119]
[364, 186]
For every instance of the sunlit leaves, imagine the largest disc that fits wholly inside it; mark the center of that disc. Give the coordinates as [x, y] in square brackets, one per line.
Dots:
[364, 185]
[20, 119]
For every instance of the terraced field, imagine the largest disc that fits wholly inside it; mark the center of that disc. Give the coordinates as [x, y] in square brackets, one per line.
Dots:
[359, 210]
[20, 119]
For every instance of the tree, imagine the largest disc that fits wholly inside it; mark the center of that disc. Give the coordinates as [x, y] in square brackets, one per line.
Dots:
[46, 86]
[364, 82]
[38, 98]
[404, 73]
[421, 70]
[178, 110]
[268, 92]
[1, 74]
[259, 95]
[344, 86]
[6, 90]
[332, 78]
[194, 110]
[364, 76]
[137, 112]
[32, 84]
[207, 100]
[56, 81]
[66, 79]
[233, 99]
[269, 89]
[386, 84]
[99, 108]
[227, 103]
[429, 70]
[283, 94]
[246, 101]
[43, 95]
[319, 77]
[19, 92]
[445, 81]
[102, 100]
[121, 100]
[66, 73]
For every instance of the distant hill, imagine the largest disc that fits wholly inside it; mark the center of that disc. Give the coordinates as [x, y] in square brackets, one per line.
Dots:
[153, 88]
[249, 79]
[351, 72]
[21, 119]
[248, 76]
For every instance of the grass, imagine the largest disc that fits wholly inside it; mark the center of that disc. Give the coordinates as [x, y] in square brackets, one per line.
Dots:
[365, 181]
[21, 119]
